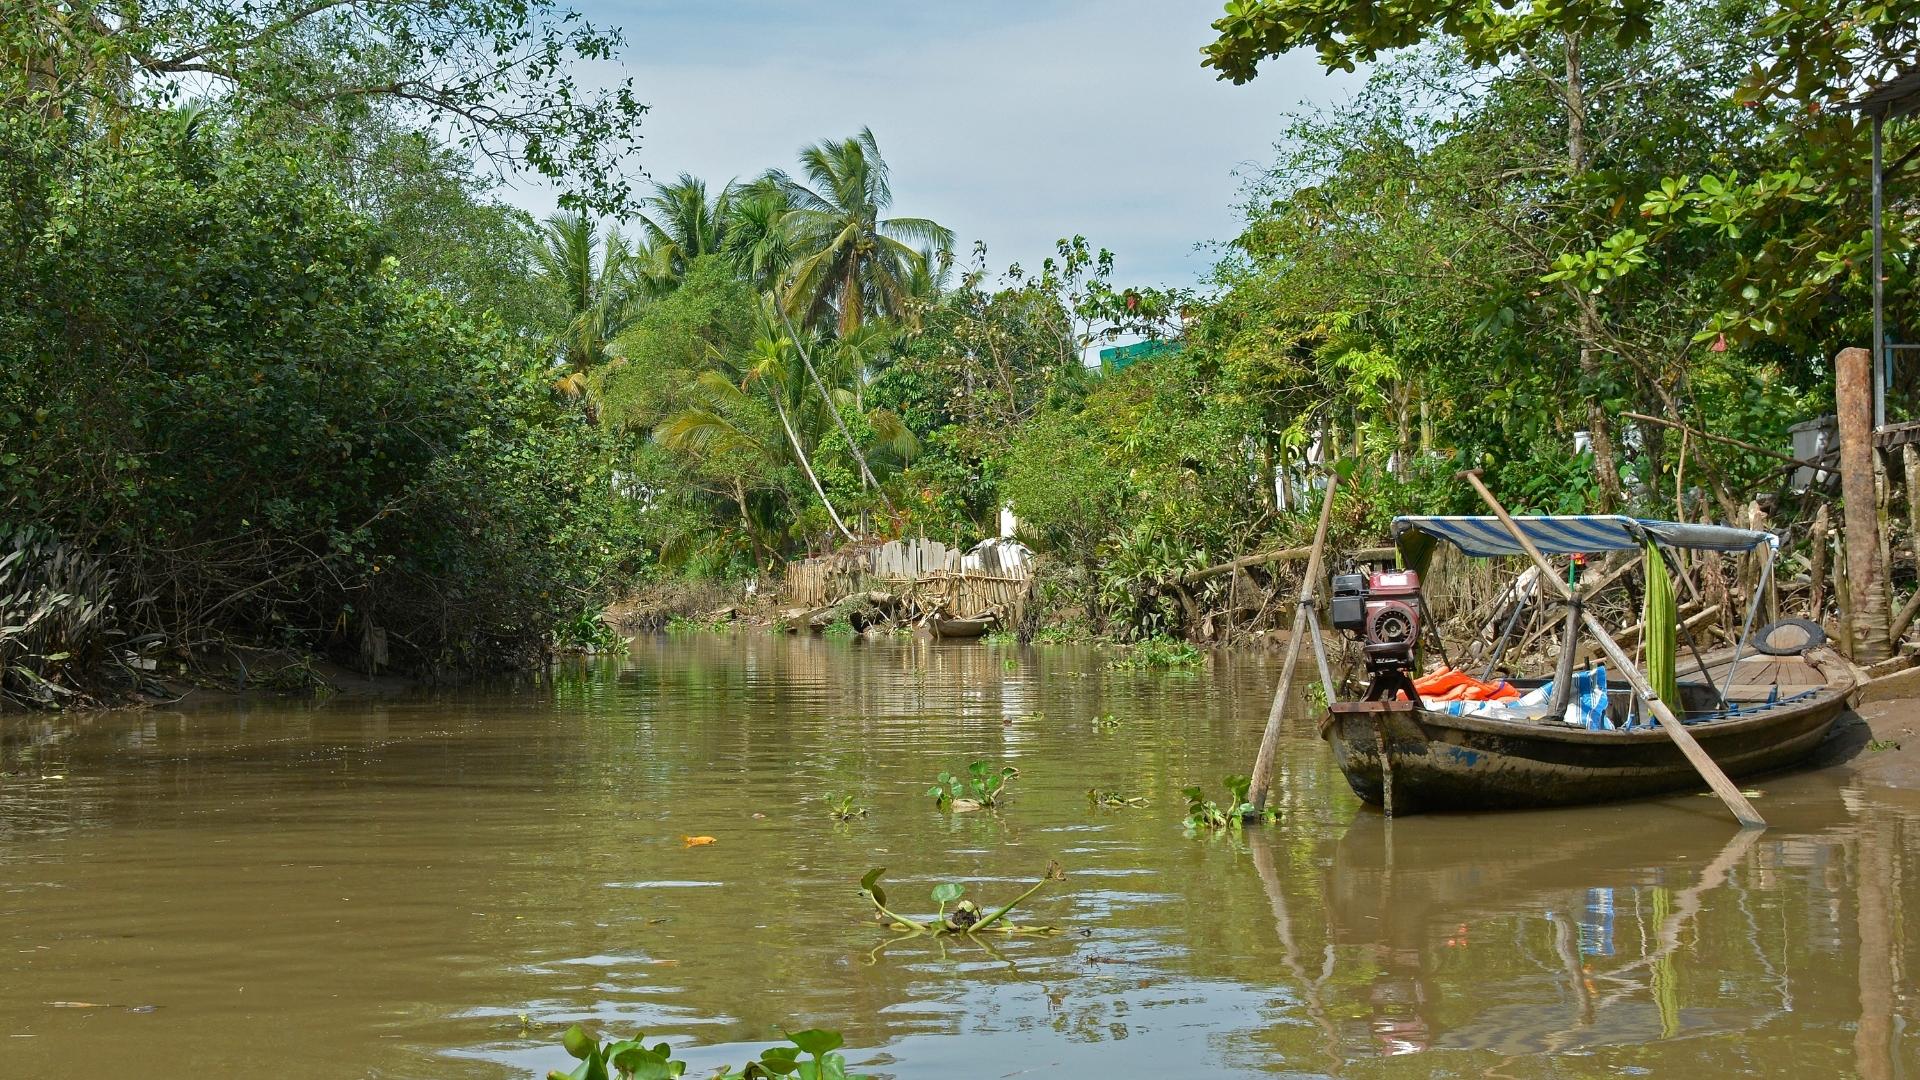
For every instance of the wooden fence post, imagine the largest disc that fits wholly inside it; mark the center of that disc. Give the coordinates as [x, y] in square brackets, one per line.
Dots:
[1866, 573]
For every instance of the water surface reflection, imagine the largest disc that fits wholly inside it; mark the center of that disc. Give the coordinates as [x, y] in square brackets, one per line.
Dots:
[433, 887]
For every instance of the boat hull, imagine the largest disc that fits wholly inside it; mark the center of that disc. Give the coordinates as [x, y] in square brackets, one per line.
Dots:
[1442, 762]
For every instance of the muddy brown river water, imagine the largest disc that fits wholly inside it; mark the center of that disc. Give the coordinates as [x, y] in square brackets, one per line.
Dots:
[436, 887]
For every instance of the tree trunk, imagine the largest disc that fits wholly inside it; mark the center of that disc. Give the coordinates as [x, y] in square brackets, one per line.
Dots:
[806, 466]
[1605, 462]
[1269, 478]
[746, 522]
[1866, 574]
[1910, 466]
[1403, 428]
[833, 409]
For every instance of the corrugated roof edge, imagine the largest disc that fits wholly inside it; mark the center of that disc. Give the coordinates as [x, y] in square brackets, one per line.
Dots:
[1895, 97]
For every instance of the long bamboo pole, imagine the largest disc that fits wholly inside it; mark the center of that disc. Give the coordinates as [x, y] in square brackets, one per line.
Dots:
[1743, 811]
[1303, 620]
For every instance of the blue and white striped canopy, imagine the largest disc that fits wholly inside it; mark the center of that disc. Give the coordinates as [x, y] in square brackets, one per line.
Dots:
[1579, 534]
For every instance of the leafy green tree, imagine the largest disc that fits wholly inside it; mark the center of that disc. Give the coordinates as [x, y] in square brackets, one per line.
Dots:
[1351, 32]
[1593, 65]
[496, 75]
[220, 377]
[438, 215]
[1784, 212]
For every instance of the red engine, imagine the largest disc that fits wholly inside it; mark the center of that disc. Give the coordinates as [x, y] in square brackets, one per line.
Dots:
[1382, 609]
[1392, 621]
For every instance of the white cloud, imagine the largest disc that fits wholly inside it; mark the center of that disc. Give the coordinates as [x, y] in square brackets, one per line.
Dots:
[1014, 124]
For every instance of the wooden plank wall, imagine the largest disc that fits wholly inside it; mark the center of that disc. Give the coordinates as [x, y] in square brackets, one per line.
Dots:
[926, 571]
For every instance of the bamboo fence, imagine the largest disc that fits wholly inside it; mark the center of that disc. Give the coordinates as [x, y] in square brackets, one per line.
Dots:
[926, 573]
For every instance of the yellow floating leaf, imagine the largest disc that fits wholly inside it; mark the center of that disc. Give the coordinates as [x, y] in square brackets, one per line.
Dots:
[699, 841]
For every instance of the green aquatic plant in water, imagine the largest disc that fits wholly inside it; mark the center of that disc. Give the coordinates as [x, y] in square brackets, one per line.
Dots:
[844, 808]
[980, 789]
[1204, 813]
[1113, 800]
[628, 1059]
[588, 632]
[632, 1059]
[841, 627]
[1062, 634]
[966, 916]
[1106, 722]
[1163, 653]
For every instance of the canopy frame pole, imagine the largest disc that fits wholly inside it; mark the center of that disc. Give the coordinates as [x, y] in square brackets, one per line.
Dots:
[1753, 609]
[1320, 652]
[1303, 619]
[1500, 646]
[1742, 810]
[1520, 603]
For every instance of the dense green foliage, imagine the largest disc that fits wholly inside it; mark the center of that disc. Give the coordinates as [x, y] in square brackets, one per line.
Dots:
[281, 358]
[278, 361]
[1530, 221]
[219, 375]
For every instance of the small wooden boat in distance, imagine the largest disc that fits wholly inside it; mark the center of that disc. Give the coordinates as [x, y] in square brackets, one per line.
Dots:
[972, 627]
[1750, 713]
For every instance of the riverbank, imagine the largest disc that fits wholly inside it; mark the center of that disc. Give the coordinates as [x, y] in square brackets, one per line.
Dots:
[1878, 742]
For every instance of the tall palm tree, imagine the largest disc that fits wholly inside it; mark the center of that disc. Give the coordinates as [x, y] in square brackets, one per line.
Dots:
[593, 276]
[770, 371]
[852, 261]
[757, 239]
[681, 224]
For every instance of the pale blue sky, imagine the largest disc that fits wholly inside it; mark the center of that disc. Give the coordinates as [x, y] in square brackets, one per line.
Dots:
[1013, 123]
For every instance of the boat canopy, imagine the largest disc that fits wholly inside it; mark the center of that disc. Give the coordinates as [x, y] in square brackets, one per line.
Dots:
[1574, 534]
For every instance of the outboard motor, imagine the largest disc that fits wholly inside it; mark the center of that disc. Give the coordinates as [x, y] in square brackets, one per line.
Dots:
[1382, 610]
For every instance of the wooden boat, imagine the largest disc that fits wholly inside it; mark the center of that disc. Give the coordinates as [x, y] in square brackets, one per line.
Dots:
[1776, 710]
[1443, 762]
[973, 627]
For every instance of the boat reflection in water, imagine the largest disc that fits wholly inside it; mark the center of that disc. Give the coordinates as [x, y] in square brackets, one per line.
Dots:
[1652, 937]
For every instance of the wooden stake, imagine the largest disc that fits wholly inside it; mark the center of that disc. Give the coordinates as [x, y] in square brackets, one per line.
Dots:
[1386, 766]
[1743, 811]
[1303, 616]
[1679, 478]
[1866, 573]
[1817, 569]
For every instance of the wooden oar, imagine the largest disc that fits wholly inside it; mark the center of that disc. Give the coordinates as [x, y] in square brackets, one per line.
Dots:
[1304, 623]
[1743, 810]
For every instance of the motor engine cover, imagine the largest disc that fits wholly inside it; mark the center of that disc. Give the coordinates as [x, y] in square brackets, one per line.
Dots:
[1392, 620]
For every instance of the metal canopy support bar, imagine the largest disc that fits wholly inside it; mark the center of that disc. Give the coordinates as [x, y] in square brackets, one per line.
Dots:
[1882, 357]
